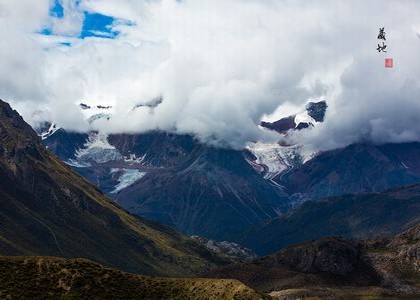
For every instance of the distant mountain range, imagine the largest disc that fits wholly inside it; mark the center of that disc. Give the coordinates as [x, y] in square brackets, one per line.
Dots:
[220, 193]
[173, 179]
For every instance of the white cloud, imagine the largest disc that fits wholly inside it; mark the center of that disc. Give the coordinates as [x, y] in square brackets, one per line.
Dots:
[221, 66]
[72, 21]
[19, 54]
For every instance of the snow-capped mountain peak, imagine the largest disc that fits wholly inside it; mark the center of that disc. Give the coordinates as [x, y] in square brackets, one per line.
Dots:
[272, 159]
[303, 120]
[313, 113]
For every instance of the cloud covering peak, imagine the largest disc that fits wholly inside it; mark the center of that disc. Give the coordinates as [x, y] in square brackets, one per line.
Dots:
[220, 66]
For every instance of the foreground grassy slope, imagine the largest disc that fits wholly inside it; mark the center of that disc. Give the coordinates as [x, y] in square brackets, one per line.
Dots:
[47, 209]
[57, 278]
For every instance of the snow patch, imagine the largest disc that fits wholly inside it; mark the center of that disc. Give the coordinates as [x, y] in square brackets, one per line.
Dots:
[269, 155]
[51, 130]
[277, 158]
[98, 149]
[127, 178]
[77, 164]
[132, 158]
[303, 117]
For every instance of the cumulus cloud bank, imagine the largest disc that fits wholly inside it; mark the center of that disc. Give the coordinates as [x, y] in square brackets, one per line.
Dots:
[219, 65]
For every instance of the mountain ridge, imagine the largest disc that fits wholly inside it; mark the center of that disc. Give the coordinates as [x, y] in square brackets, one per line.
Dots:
[360, 216]
[57, 212]
[357, 168]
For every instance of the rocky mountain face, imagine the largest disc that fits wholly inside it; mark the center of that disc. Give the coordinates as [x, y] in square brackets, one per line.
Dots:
[354, 216]
[174, 179]
[330, 267]
[317, 110]
[46, 209]
[58, 278]
[213, 193]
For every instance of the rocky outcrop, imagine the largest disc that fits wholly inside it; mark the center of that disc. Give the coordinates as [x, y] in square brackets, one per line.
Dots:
[389, 266]
[317, 110]
[232, 250]
[314, 112]
[282, 125]
[329, 255]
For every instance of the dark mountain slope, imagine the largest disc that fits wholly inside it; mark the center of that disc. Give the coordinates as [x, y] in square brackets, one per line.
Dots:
[160, 149]
[213, 193]
[46, 209]
[334, 267]
[198, 189]
[57, 278]
[356, 168]
[64, 144]
[355, 216]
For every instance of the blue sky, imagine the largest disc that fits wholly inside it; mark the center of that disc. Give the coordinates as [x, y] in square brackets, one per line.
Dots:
[94, 24]
[57, 10]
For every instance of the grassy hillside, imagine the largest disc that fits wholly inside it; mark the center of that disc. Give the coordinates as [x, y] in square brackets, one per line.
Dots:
[57, 278]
